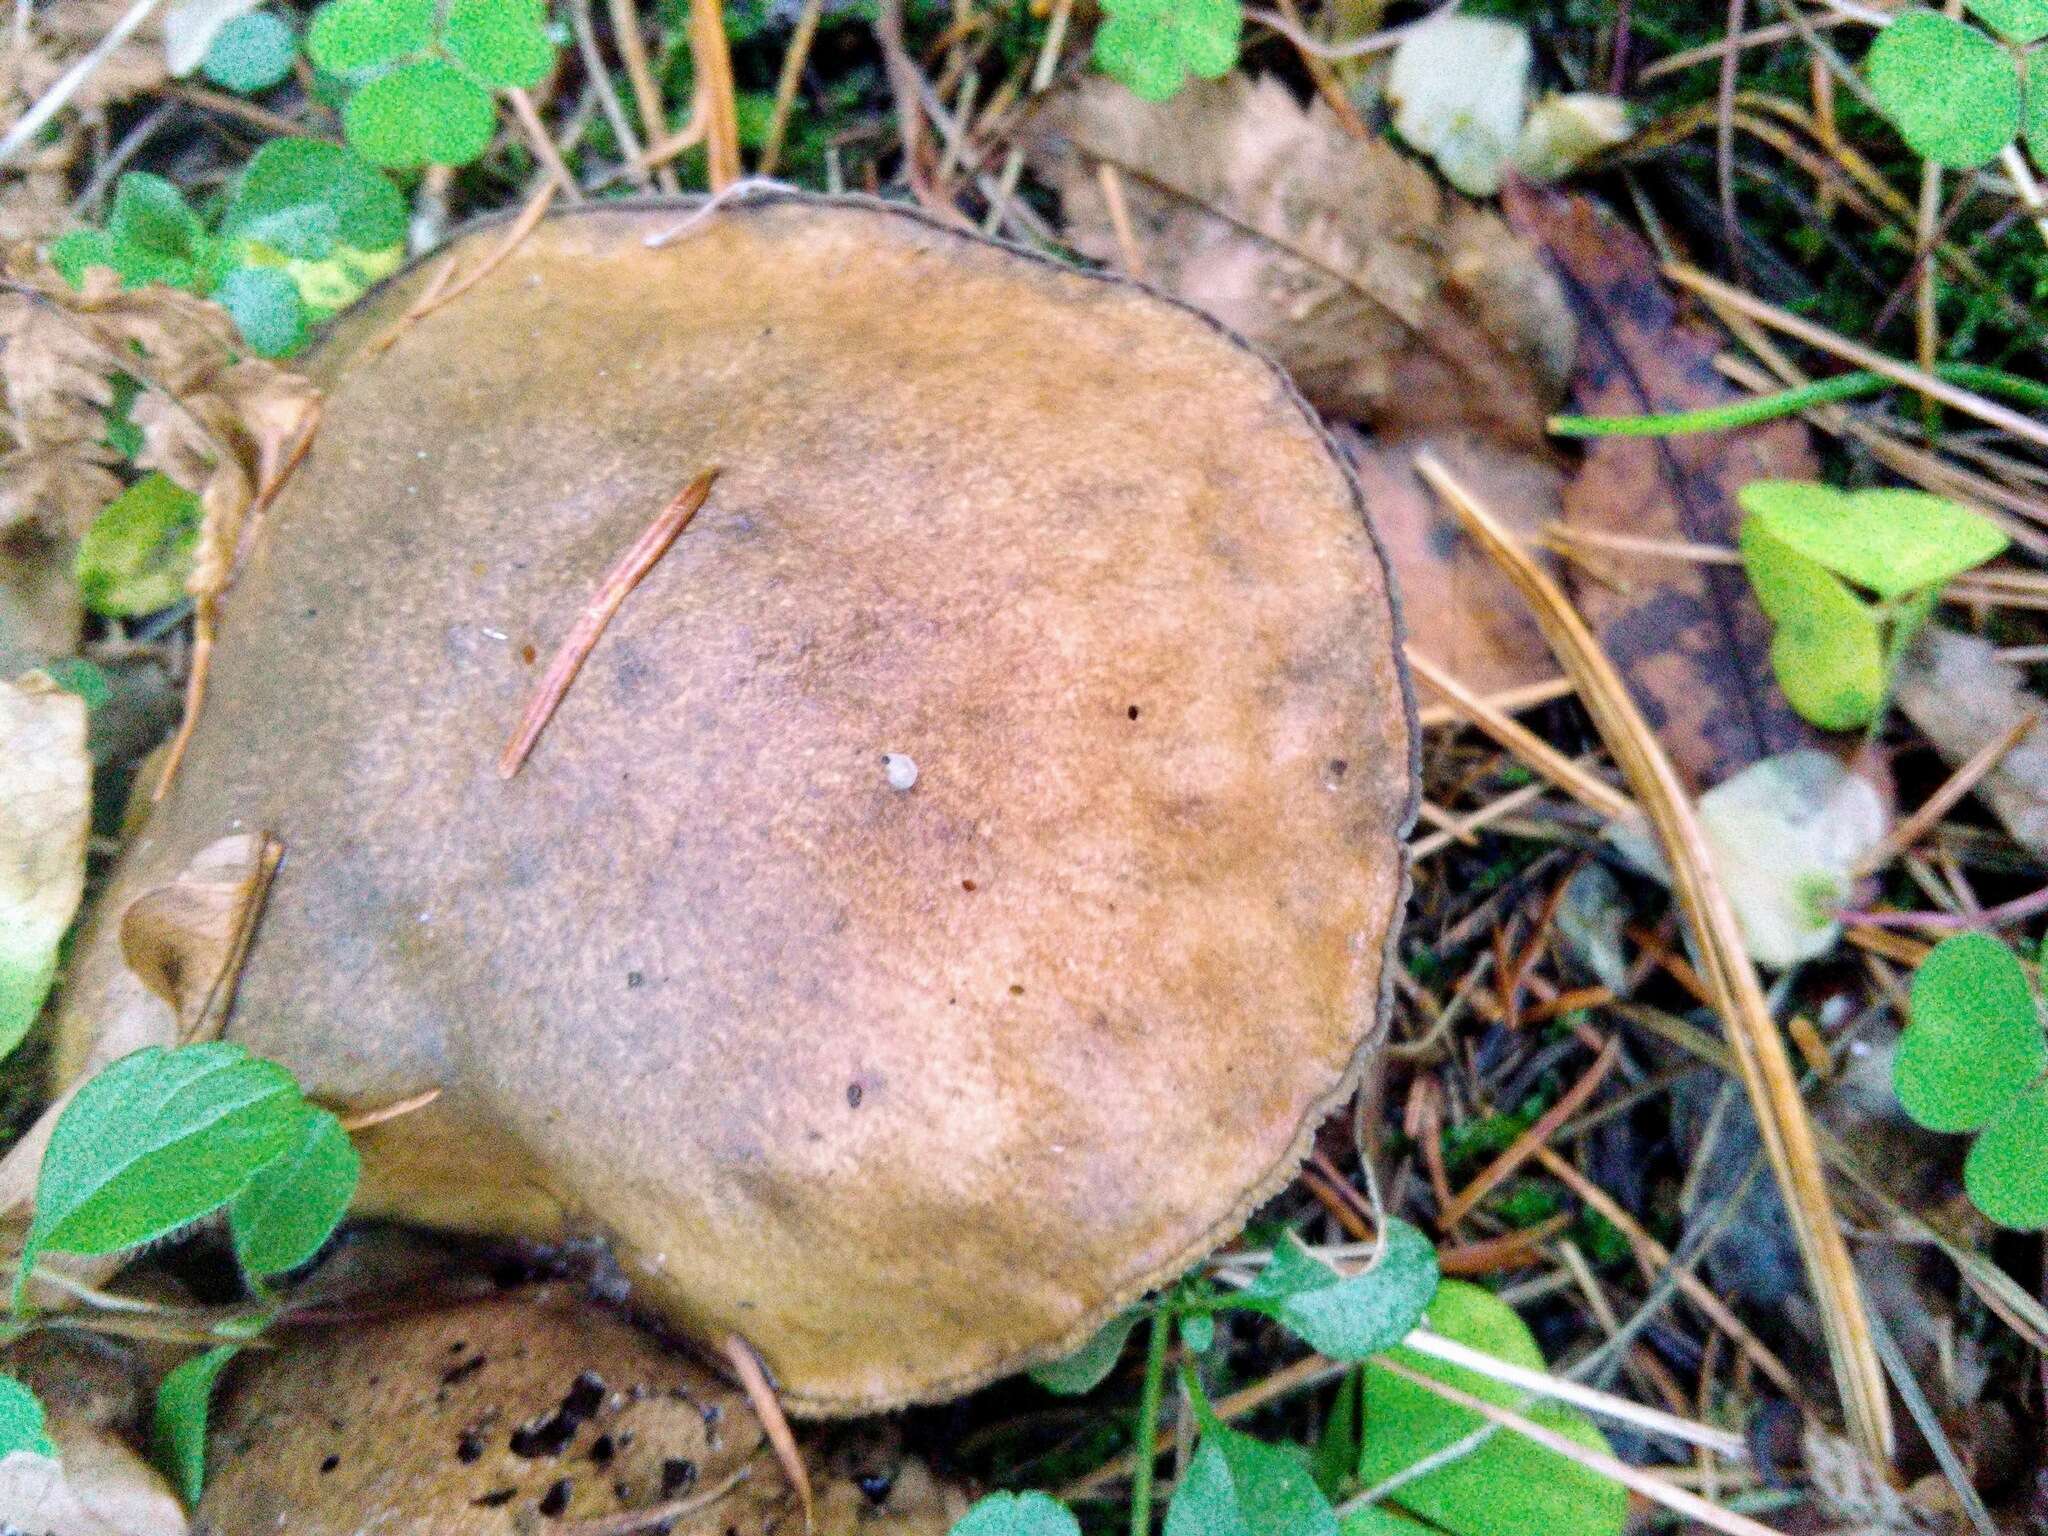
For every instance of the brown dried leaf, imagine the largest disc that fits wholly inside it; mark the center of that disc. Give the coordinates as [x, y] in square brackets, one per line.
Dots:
[185, 940]
[40, 614]
[1690, 639]
[1460, 611]
[1389, 300]
[58, 35]
[1960, 695]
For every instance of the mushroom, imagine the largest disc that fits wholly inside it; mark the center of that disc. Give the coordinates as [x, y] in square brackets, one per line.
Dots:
[501, 1416]
[961, 877]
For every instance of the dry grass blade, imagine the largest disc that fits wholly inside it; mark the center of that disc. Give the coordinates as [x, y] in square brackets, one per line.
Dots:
[575, 648]
[1511, 702]
[444, 289]
[712, 55]
[1758, 1050]
[1656, 1489]
[1534, 752]
[746, 1365]
[1958, 784]
[1533, 1139]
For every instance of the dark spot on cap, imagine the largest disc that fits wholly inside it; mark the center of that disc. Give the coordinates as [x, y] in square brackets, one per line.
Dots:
[469, 1447]
[875, 1486]
[676, 1475]
[497, 1498]
[456, 1374]
[329, 1464]
[603, 1449]
[854, 1094]
[555, 1501]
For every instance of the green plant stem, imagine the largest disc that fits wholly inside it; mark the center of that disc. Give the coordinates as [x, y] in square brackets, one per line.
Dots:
[1788, 402]
[1149, 1396]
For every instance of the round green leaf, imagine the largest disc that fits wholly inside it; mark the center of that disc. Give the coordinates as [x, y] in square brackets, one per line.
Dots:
[267, 309]
[351, 35]
[1017, 1514]
[22, 1425]
[419, 114]
[251, 53]
[135, 556]
[2006, 1173]
[1827, 652]
[502, 42]
[1892, 542]
[1361, 1315]
[1973, 1039]
[1239, 1486]
[1152, 46]
[294, 1204]
[1952, 92]
[153, 234]
[2021, 21]
[304, 197]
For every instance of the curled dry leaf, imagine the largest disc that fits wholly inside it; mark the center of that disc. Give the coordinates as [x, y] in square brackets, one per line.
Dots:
[186, 939]
[97, 1486]
[484, 1418]
[1390, 302]
[1690, 639]
[45, 814]
[1961, 696]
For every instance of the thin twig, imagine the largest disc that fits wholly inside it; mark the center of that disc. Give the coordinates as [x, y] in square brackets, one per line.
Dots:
[716, 95]
[1759, 1049]
[630, 1522]
[1937, 805]
[1538, 1135]
[601, 81]
[66, 85]
[646, 93]
[746, 1365]
[583, 635]
[543, 147]
[1120, 219]
[787, 82]
[1509, 701]
[441, 290]
[363, 1119]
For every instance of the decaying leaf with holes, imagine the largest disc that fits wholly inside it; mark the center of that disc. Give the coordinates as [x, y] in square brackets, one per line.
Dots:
[815, 1013]
[1690, 639]
[504, 1416]
[1391, 302]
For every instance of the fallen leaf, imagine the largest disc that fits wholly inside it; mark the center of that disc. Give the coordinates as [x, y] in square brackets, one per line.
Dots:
[1388, 300]
[1460, 89]
[1961, 696]
[1787, 834]
[96, 1486]
[1690, 639]
[1459, 610]
[40, 615]
[45, 814]
[1563, 132]
[186, 939]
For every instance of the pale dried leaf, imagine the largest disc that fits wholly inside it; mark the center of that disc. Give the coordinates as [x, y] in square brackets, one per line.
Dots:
[45, 814]
[1460, 88]
[1956, 690]
[1786, 833]
[1389, 301]
[58, 34]
[40, 616]
[95, 1487]
[1563, 132]
[184, 940]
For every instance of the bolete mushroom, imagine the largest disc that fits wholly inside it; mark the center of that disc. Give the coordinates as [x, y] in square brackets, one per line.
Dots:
[496, 1417]
[961, 877]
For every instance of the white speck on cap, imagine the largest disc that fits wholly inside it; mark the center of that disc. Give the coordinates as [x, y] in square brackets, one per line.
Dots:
[902, 771]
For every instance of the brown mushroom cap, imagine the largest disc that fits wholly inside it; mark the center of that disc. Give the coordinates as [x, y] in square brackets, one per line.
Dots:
[499, 1417]
[910, 1087]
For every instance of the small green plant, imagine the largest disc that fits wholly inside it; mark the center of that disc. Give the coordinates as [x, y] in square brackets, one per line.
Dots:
[308, 228]
[1152, 46]
[1973, 1059]
[155, 1142]
[1235, 1483]
[422, 82]
[251, 53]
[1803, 545]
[134, 557]
[1958, 94]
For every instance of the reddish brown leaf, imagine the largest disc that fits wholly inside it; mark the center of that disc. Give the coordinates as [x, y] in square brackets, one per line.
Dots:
[1690, 639]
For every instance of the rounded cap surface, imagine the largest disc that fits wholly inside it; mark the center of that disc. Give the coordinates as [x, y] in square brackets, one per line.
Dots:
[961, 877]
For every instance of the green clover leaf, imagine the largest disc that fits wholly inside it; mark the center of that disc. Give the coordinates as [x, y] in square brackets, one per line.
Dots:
[349, 36]
[2018, 21]
[1152, 46]
[420, 114]
[251, 53]
[1952, 93]
[1972, 1059]
[1017, 1514]
[1892, 542]
[267, 309]
[501, 42]
[304, 198]
[152, 233]
[1827, 650]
